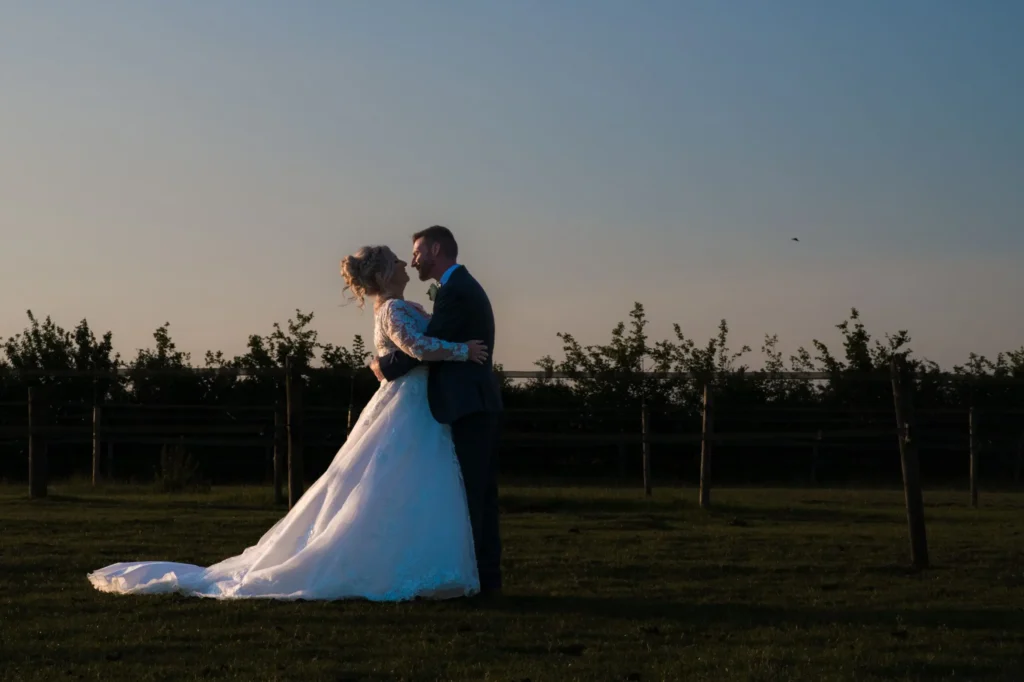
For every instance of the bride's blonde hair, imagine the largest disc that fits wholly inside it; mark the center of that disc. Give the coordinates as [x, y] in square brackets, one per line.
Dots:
[367, 271]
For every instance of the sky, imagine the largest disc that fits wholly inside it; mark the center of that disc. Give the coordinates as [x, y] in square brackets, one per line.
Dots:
[209, 163]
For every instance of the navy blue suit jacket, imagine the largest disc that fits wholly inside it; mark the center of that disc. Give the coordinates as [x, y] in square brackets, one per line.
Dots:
[462, 312]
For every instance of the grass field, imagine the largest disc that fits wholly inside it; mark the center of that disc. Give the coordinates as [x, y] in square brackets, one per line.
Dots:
[601, 585]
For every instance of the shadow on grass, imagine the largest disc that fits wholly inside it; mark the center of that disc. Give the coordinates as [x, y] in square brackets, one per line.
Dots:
[601, 508]
[855, 515]
[160, 501]
[553, 504]
[938, 671]
[753, 615]
[802, 515]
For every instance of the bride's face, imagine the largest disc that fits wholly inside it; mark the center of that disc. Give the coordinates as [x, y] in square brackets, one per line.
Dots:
[399, 278]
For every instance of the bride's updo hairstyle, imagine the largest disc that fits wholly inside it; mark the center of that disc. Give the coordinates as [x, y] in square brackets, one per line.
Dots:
[368, 271]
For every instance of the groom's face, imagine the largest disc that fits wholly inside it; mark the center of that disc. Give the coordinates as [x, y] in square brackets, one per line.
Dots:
[424, 258]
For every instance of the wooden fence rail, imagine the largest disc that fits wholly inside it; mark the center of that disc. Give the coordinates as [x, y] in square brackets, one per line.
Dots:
[284, 435]
[537, 375]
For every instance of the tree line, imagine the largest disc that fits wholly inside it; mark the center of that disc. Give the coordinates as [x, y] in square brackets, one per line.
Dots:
[607, 386]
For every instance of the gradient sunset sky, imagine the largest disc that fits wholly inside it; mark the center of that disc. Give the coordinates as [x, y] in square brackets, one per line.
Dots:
[208, 163]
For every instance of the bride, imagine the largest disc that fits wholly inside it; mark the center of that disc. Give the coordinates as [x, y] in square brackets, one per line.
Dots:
[388, 520]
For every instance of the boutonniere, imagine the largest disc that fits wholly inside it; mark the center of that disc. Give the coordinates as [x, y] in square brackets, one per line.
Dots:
[432, 291]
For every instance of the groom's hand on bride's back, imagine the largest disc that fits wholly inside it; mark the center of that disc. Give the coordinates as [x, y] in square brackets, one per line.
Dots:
[477, 352]
[375, 368]
[394, 365]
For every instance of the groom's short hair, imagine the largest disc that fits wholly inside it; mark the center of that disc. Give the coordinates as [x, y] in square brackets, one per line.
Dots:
[441, 235]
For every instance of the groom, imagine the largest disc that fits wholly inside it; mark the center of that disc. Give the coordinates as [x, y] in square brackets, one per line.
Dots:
[464, 395]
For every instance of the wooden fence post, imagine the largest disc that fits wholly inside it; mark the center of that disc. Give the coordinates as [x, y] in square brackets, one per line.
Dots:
[1020, 459]
[37, 466]
[293, 396]
[911, 469]
[707, 435]
[645, 431]
[815, 453]
[975, 447]
[97, 452]
[110, 441]
[351, 403]
[280, 450]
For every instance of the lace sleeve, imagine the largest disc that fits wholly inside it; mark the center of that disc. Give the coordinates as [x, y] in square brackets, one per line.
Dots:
[401, 326]
[421, 309]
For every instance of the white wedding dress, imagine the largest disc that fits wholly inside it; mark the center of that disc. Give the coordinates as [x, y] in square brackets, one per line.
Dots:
[387, 521]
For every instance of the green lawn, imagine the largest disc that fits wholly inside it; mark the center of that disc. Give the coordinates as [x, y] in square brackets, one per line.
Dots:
[601, 585]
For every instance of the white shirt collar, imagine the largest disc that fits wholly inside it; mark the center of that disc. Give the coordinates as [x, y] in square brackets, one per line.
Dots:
[447, 274]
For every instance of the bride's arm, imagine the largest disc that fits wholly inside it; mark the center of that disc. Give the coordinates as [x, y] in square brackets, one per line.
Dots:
[401, 327]
[417, 306]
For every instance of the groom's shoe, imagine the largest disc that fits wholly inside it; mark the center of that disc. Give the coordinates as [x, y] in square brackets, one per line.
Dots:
[490, 583]
[488, 596]
[490, 589]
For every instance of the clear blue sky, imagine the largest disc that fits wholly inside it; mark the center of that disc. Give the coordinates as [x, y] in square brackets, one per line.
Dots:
[209, 163]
